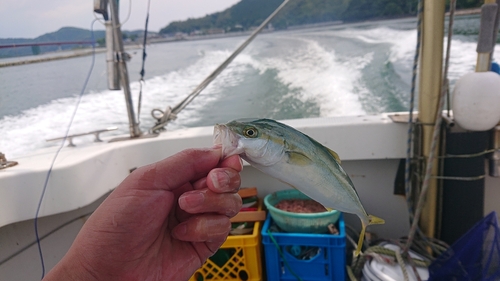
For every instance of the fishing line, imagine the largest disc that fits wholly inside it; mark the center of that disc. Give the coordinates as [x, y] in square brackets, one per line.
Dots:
[282, 255]
[143, 71]
[38, 240]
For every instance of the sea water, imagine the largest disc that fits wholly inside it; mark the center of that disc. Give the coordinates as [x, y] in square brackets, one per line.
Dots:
[336, 70]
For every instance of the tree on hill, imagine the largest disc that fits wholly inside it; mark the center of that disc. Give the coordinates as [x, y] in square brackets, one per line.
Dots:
[250, 13]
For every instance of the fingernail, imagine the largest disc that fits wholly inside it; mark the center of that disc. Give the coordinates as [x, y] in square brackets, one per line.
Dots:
[192, 199]
[220, 179]
[241, 162]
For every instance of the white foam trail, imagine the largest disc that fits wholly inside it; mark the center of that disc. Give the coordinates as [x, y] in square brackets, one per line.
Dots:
[28, 131]
[463, 59]
[402, 51]
[402, 45]
[323, 77]
[173, 87]
[317, 73]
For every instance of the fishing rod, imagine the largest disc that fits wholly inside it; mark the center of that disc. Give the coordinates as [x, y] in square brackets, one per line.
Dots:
[163, 117]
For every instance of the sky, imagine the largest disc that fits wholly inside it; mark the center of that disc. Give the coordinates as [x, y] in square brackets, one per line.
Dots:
[32, 18]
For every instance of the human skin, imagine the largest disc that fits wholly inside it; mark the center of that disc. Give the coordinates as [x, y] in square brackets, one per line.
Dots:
[161, 223]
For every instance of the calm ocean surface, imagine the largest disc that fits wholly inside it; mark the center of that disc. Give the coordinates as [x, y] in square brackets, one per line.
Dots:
[328, 71]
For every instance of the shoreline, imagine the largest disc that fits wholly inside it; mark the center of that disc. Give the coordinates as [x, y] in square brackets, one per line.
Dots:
[50, 57]
[15, 61]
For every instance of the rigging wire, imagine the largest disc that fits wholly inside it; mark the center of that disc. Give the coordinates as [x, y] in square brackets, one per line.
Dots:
[171, 113]
[44, 189]
[128, 13]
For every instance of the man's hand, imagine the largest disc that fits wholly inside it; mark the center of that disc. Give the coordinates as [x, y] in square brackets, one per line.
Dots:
[161, 223]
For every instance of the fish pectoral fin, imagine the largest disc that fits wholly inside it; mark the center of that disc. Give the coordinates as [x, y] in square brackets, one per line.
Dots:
[375, 220]
[297, 158]
[334, 154]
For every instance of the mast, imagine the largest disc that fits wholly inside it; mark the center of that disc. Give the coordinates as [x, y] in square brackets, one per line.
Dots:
[121, 57]
[430, 89]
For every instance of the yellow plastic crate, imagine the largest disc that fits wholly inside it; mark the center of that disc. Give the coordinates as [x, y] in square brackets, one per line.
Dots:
[243, 255]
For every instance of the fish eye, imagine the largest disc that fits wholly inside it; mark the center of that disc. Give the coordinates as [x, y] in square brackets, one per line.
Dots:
[250, 132]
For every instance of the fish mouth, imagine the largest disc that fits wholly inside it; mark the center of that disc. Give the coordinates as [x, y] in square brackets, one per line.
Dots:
[228, 140]
[218, 132]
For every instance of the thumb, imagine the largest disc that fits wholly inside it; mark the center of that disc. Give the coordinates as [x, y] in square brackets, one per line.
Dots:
[172, 172]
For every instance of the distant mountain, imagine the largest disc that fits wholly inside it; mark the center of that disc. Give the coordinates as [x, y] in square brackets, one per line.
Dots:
[250, 13]
[247, 14]
[70, 34]
[64, 34]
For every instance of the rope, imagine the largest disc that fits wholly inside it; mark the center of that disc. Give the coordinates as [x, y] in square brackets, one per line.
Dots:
[60, 148]
[350, 274]
[472, 155]
[435, 135]
[480, 177]
[165, 118]
[388, 256]
[408, 190]
[402, 264]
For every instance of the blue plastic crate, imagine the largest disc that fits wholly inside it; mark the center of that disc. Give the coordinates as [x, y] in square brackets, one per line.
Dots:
[328, 262]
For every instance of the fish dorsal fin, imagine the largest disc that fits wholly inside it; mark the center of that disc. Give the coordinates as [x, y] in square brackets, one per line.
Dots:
[334, 154]
[298, 158]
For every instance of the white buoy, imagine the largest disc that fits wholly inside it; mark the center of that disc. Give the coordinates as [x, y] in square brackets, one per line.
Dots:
[476, 101]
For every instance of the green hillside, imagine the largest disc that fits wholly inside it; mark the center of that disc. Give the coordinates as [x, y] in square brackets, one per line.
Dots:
[250, 13]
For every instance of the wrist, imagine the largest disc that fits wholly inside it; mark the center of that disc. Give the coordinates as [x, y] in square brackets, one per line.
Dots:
[70, 269]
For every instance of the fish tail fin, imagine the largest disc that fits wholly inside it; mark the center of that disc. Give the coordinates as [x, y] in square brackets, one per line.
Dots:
[361, 239]
[375, 220]
[371, 220]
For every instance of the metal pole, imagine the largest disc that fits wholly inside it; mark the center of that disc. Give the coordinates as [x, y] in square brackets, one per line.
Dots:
[431, 66]
[112, 65]
[120, 56]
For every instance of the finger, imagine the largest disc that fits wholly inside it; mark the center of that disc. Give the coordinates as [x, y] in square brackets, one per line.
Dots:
[203, 228]
[170, 173]
[207, 249]
[200, 184]
[206, 201]
[233, 162]
[221, 180]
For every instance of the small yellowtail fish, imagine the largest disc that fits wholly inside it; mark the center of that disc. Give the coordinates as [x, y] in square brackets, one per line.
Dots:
[296, 159]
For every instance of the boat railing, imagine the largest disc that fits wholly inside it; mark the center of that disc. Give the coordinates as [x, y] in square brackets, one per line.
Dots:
[4, 163]
[96, 133]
